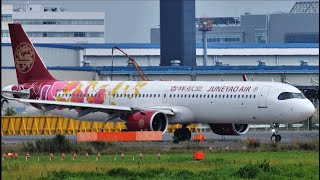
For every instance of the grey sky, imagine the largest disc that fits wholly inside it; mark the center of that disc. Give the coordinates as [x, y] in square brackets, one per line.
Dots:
[129, 21]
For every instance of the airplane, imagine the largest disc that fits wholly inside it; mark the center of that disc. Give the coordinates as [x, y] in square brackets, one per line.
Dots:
[227, 106]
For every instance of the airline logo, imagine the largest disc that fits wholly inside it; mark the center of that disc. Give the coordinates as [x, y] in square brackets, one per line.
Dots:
[213, 88]
[24, 57]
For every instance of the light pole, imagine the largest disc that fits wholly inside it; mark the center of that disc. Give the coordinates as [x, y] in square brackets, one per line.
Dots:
[205, 24]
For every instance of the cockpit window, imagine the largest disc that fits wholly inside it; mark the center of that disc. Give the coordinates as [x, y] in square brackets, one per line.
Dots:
[289, 95]
[298, 95]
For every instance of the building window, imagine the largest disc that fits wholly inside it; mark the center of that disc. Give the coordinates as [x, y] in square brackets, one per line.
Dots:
[79, 34]
[65, 34]
[223, 38]
[301, 38]
[261, 35]
[6, 17]
[4, 33]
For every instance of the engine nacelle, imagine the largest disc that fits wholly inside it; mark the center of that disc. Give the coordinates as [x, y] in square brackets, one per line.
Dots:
[229, 129]
[147, 121]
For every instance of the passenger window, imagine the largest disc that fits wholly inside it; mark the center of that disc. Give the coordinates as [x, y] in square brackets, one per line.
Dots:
[254, 96]
[227, 96]
[238, 96]
[174, 95]
[216, 96]
[242, 96]
[139, 95]
[192, 95]
[250, 96]
[222, 96]
[246, 96]
[219, 95]
[170, 96]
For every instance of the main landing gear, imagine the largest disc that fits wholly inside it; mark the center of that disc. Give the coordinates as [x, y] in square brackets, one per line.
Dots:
[183, 134]
[275, 138]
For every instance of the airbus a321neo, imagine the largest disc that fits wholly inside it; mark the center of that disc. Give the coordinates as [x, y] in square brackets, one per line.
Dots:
[228, 107]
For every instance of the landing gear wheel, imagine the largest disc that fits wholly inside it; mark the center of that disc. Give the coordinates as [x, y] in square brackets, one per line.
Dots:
[182, 134]
[278, 138]
[275, 138]
[178, 134]
[187, 134]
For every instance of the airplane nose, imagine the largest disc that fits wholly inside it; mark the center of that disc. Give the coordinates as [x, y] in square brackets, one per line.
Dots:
[309, 109]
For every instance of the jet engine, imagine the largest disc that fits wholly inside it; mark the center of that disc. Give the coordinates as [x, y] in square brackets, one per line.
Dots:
[147, 121]
[229, 129]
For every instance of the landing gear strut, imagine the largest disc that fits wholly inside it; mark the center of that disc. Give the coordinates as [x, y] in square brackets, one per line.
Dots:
[183, 134]
[275, 138]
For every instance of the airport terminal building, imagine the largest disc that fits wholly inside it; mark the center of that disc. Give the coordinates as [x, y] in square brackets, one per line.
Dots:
[293, 27]
[54, 24]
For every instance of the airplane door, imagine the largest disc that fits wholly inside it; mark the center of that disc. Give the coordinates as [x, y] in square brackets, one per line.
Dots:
[165, 97]
[263, 97]
[44, 92]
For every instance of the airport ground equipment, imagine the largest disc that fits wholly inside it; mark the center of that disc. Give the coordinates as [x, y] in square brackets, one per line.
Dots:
[134, 63]
[120, 136]
[50, 125]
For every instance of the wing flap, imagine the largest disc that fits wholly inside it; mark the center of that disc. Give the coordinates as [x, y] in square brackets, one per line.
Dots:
[50, 105]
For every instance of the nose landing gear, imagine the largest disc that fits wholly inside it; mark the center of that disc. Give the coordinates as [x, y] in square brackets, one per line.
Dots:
[182, 134]
[275, 137]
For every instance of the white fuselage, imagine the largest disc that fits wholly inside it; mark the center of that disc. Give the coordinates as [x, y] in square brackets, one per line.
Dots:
[198, 101]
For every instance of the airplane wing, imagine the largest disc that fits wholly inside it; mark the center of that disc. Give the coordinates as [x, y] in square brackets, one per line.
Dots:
[86, 108]
[23, 94]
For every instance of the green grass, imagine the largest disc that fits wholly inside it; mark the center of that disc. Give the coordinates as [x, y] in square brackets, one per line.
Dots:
[217, 165]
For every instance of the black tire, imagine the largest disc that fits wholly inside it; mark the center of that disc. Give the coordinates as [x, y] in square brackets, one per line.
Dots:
[187, 134]
[278, 138]
[178, 134]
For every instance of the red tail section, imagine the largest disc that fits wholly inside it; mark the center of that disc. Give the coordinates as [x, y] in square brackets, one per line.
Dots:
[29, 66]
